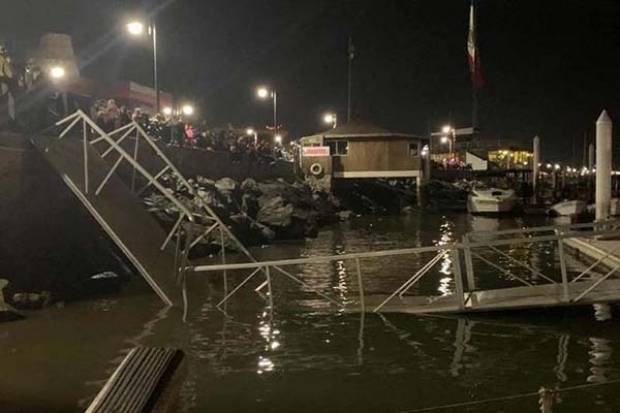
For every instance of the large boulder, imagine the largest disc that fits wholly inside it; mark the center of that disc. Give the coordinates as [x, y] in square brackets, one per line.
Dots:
[249, 185]
[226, 185]
[274, 211]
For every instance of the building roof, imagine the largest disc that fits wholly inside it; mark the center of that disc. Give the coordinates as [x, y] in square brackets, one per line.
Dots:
[361, 129]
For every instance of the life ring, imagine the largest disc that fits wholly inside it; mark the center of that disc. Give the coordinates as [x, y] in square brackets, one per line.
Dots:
[316, 169]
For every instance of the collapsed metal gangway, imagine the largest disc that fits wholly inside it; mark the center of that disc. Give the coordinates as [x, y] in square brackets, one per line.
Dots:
[520, 283]
[89, 161]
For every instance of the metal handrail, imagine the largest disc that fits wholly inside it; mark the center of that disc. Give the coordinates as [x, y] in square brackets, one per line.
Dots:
[131, 161]
[463, 296]
[395, 252]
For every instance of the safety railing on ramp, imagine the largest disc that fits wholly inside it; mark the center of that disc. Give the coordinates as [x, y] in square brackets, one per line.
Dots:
[195, 219]
[485, 271]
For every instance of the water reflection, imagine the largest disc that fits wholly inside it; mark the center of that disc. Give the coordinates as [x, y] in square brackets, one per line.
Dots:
[461, 345]
[271, 337]
[600, 355]
[562, 357]
[447, 237]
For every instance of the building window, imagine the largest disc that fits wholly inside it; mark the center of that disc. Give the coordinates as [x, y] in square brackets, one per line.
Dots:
[414, 149]
[338, 147]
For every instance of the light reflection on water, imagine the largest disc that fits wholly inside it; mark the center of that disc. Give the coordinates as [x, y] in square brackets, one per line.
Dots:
[298, 358]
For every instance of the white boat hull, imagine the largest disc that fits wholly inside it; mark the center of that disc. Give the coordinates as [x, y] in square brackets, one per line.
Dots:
[569, 208]
[491, 202]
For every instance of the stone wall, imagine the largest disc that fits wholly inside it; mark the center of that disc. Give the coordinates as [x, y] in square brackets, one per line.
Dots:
[216, 165]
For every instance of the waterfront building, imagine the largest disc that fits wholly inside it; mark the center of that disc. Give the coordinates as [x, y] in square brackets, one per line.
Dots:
[362, 150]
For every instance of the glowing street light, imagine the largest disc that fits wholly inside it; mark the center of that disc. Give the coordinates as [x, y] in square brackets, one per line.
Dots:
[278, 139]
[57, 72]
[252, 132]
[262, 92]
[187, 110]
[445, 139]
[331, 119]
[137, 28]
[167, 111]
[447, 129]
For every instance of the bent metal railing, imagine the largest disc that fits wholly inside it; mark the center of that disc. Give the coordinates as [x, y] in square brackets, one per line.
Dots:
[198, 211]
[470, 250]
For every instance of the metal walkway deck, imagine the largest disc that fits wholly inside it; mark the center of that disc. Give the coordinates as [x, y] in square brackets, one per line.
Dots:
[521, 284]
[516, 298]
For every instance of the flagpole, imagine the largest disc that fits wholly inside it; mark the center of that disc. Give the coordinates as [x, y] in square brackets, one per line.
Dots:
[474, 111]
[350, 83]
[474, 87]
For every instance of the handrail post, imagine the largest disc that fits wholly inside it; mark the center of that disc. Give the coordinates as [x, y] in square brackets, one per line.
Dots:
[563, 267]
[135, 157]
[360, 285]
[85, 149]
[469, 265]
[458, 278]
[225, 274]
[269, 288]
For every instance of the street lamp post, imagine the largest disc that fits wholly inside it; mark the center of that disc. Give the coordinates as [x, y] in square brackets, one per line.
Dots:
[264, 93]
[136, 28]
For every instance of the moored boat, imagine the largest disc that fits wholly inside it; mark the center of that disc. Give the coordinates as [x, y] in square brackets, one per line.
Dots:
[568, 208]
[491, 201]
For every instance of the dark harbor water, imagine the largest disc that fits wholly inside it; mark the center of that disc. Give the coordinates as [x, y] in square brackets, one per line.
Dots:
[310, 358]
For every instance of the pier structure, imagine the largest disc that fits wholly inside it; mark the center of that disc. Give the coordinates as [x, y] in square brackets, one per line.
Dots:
[517, 283]
[106, 172]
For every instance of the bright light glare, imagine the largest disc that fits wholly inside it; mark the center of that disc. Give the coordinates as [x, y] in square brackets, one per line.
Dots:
[167, 111]
[249, 131]
[188, 110]
[329, 118]
[446, 129]
[445, 139]
[135, 28]
[278, 138]
[57, 72]
[262, 92]
[556, 166]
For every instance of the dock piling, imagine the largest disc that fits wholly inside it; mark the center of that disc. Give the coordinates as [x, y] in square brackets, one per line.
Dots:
[603, 166]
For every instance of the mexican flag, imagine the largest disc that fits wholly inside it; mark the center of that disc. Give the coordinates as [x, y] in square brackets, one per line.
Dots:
[472, 51]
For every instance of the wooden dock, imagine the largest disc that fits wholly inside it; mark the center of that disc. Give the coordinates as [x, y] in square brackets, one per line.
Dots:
[505, 299]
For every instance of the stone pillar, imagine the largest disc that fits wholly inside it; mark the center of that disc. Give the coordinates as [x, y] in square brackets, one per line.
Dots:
[603, 166]
[535, 167]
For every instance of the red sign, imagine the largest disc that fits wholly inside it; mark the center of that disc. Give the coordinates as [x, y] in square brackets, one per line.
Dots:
[315, 151]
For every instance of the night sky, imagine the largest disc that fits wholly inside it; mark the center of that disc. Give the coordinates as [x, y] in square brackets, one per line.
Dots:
[551, 66]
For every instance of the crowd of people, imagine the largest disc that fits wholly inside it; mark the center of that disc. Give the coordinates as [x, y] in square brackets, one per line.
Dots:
[175, 131]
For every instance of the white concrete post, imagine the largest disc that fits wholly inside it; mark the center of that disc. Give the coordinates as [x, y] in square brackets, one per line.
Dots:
[603, 166]
[535, 167]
